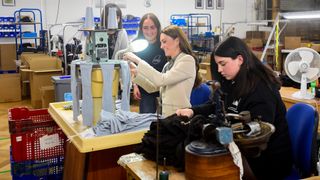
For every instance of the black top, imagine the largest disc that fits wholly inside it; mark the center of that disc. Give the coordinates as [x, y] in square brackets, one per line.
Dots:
[155, 57]
[276, 161]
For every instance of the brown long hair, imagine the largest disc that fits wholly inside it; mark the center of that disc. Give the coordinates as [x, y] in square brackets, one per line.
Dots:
[156, 22]
[175, 32]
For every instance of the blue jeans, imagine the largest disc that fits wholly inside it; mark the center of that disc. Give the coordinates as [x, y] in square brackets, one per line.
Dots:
[148, 103]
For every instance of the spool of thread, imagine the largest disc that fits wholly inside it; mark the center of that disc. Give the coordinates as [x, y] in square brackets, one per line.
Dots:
[164, 175]
[112, 19]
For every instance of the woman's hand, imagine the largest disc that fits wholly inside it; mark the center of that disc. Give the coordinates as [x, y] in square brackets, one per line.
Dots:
[129, 56]
[133, 69]
[136, 92]
[185, 112]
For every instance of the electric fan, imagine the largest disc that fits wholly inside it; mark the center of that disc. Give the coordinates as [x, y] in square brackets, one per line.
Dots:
[55, 43]
[302, 65]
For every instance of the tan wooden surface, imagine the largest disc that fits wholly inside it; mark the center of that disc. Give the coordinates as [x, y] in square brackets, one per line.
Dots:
[286, 95]
[72, 129]
[146, 170]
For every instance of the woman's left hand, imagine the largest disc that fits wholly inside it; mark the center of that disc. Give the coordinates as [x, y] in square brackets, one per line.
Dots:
[129, 56]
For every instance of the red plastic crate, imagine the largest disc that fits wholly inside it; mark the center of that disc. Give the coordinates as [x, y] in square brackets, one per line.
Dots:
[36, 135]
[22, 119]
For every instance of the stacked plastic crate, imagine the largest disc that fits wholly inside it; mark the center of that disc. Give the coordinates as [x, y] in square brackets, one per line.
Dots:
[37, 145]
[7, 27]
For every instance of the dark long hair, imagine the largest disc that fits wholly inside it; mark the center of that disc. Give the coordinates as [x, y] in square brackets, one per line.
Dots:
[176, 32]
[252, 70]
[156, 22]
[104, 15]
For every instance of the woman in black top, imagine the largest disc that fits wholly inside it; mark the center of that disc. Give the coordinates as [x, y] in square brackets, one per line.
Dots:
[149, 29]
[251, 86]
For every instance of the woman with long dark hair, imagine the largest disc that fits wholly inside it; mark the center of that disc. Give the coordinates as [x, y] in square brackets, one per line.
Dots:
[249, 85]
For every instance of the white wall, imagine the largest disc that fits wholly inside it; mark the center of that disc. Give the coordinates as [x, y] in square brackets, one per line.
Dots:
[73, 10]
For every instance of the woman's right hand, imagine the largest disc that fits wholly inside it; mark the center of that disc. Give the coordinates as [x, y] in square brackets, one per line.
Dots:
[136, 92]
[185, 112]
[129, 56]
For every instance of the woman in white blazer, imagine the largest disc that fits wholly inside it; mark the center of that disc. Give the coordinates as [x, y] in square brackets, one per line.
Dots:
[178, 77]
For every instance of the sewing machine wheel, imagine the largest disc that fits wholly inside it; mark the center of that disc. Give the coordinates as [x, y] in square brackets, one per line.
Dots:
[251, 146]
[209, 161]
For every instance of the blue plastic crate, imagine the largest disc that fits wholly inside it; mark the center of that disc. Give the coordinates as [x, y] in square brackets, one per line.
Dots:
[8, 71]
[29, 34]
[45, 169]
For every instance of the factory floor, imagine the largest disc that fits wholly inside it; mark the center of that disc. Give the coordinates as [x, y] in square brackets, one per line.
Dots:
[5, 173]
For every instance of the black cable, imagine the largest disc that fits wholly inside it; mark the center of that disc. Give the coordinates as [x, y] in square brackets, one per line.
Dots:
[57, 12]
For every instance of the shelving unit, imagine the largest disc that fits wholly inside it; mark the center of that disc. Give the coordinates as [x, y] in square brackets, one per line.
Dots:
[198, 28]
[131, 25]
[35, 33]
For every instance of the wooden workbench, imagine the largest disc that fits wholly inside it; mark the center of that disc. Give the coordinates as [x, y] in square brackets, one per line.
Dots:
[286, 95]
[146, 170]
[96, 157]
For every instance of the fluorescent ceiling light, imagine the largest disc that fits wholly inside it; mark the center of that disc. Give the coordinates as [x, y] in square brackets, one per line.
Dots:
[302, 15]
[257, 23]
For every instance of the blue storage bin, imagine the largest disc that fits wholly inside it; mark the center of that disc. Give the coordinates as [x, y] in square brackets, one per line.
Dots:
[5, 19]
[11, 19]
[29, 34]
[6, 34]
[12, 34]
[131, 32]
[96, 19]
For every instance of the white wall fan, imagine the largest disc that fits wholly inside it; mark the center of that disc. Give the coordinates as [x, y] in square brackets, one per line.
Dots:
[302, 65]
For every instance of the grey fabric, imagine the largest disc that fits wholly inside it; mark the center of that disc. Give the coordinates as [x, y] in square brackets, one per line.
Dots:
[75, 89]
[122, 121]
[125, 78]
[107, 100]
[87, 101]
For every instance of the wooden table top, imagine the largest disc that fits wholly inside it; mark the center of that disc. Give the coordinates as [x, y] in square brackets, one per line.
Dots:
[146, 170]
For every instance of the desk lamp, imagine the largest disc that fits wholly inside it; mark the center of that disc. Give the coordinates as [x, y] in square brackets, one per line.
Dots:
[135, 46]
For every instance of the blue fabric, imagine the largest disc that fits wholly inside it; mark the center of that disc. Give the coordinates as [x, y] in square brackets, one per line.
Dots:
[122, 121]
[200, 95]
[87, 101]
[75, 90]
[303, 124]
[107, 100]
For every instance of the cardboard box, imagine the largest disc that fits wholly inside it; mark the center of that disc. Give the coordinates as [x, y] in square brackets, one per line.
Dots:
[316, 47]
[254, 43]
[27, 55]
[306, 44]
[40, 70]
[205, 71]
[7, 57]
[292, 42]
[258, 54]
[10, 87]
[263, 35]
[25, 89]
[47, 95]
